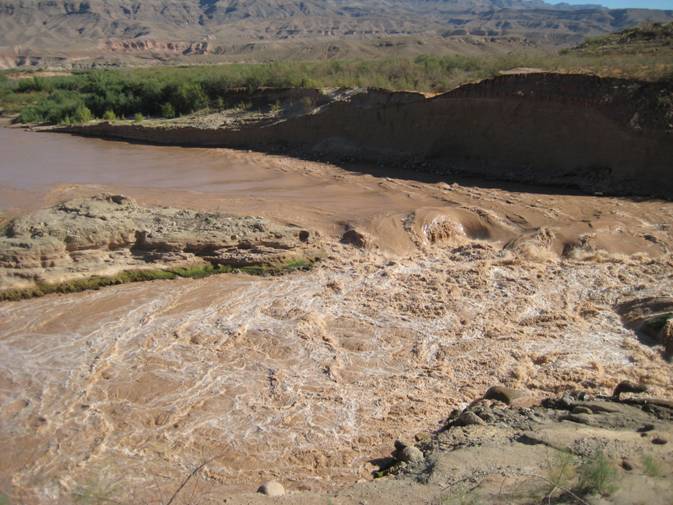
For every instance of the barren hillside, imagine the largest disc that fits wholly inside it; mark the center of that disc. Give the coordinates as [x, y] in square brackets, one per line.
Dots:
[113, 31]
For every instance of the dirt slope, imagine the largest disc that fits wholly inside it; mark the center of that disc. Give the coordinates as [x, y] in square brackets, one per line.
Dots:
[601, 135]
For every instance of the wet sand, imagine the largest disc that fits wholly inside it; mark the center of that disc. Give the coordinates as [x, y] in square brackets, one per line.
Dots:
[307, 377]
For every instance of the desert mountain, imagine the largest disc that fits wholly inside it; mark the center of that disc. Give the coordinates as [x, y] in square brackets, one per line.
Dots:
[32, 30]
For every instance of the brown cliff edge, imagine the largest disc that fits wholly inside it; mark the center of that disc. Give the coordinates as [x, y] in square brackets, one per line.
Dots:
[600, 135]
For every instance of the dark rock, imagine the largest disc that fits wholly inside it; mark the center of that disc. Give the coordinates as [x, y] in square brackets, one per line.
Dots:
[355, 238]
[659, 441]
[628, 387]
[580, 409]
[468, 418]
[455, 414]
[502, 394]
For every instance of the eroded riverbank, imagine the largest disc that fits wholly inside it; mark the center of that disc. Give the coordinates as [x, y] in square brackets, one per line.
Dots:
[572, 131]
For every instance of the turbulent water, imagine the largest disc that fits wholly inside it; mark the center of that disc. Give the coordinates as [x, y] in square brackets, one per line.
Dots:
[308, 376]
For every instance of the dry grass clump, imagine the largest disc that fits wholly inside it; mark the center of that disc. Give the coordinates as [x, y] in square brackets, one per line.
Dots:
[652, 467]
[597, 475]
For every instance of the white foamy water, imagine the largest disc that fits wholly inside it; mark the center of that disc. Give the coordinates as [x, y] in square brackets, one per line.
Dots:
[308, 376]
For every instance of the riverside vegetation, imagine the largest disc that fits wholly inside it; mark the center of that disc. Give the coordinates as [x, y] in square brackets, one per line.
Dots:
[198, 271]
[169, 92]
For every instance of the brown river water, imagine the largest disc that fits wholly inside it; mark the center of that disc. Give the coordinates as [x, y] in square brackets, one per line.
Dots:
[307, 377]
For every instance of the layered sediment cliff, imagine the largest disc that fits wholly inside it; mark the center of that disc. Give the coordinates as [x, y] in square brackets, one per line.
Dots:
[601, 135]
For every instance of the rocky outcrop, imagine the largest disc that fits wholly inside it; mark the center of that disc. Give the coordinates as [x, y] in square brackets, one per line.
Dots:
[601, 135]
[157, 46]
[652, 318]
[573, 448]
[108, 234]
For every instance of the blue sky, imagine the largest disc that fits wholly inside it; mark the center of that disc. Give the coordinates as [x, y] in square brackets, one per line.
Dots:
[619, 4]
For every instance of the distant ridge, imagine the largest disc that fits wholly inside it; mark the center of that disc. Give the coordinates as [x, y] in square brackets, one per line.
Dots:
[34, 32]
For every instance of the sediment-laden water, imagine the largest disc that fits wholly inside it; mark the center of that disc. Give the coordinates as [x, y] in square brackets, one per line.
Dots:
[306, 377]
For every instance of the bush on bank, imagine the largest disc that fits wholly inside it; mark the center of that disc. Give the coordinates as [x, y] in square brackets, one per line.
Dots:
[174, 91]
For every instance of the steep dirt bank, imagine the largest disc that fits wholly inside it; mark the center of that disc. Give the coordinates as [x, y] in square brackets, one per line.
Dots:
[597, 134]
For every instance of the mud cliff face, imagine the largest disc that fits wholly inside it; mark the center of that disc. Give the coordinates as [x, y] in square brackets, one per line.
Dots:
[601, 135]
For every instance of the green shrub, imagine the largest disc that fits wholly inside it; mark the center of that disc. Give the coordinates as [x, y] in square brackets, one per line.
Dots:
[167, 111]
[597, 475]
[33, 84]
[185, 97]
[58, 107]
[138, 118]
[30, 115]
[82, 114]
[109, 115]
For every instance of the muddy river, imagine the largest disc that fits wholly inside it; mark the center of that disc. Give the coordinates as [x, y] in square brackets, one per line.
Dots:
[308, 377]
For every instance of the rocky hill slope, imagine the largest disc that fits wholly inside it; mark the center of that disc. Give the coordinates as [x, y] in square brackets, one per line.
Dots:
[62, 31]
[647, 39]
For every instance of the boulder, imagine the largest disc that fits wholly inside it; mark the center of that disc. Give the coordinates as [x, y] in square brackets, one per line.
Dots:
[628, 387]
[503, 394]
[468, 418]
[271, 488]
[354, 238]
[407, 452]
[411, 454]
